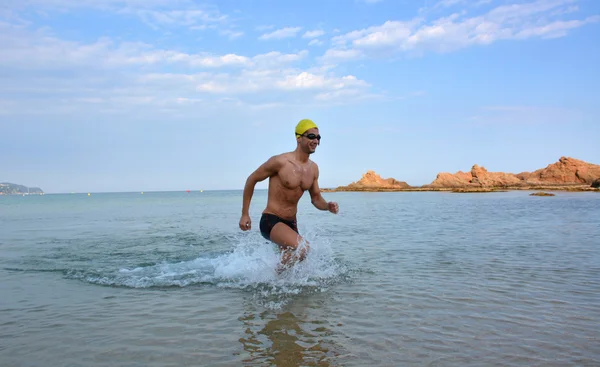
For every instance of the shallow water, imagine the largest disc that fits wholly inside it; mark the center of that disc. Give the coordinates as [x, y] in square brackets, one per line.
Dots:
[421, 278]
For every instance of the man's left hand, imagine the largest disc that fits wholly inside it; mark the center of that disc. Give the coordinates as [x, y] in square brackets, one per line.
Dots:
[333, 207]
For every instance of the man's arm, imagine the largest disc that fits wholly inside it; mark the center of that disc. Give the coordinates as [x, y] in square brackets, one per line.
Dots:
[315, 193]
[267, 169]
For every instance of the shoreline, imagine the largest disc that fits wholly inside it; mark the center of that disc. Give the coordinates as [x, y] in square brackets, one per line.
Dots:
[567, 188]
[568, 174]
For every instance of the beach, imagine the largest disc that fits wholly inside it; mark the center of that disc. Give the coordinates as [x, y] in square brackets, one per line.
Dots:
[399, 278]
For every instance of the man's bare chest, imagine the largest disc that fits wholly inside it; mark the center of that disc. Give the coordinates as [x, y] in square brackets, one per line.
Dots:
[294, 176]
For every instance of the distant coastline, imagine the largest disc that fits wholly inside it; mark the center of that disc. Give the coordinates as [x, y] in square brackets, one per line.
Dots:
[568, 174]
[7, 188]
[572, 188]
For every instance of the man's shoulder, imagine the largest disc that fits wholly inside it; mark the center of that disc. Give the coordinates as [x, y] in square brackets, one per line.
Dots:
[279, 160]
[282, 157]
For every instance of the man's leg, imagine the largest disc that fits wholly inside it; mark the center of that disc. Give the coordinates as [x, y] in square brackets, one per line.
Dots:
[288, 241]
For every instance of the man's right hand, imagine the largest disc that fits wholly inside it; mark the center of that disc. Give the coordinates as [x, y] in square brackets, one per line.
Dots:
[245, 222]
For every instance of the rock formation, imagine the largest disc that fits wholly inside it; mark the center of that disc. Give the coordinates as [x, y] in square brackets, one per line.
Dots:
[541, 193]
[567, 171]
[482, 177]
[445, 179]
[371, 181]
[478, 177]
[570, 173]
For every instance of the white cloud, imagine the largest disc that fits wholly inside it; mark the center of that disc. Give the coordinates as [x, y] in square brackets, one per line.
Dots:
[49, 53]
[98, 4]
[185, 18]
[25, 49]
[443, 4]
[313, 34]
[176, 92]
[106, 76]
[453, 32]
[555, 29]
[349, 95]
[315, 42]
[232, 34]
[333, 55]
[251, 81]
[276, 58]
[287, 32]
[155, 13]
[306, 80]
[207, 61]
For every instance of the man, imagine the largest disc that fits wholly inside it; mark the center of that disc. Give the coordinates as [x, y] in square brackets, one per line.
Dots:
[290, 174]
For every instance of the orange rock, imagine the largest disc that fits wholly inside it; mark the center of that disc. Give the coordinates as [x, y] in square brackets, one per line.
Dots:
[478, 177]
[445, 179]
[373, 180]
[482, 177]
[566, 171]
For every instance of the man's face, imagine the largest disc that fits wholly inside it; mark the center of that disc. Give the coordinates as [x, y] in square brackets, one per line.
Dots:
[309, 140]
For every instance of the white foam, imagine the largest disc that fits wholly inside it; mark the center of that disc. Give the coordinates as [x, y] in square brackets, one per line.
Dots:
[250, 265]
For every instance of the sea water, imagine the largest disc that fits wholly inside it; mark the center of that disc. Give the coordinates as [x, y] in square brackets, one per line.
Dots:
[395, 279]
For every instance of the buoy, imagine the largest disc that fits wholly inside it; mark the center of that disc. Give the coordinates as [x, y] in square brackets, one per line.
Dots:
[142, 193]
[89, 194]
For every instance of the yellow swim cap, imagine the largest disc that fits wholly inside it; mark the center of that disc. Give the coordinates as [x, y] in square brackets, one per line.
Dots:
[304, 125]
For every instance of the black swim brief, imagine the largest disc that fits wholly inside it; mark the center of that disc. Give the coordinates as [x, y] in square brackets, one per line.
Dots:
[268, 221]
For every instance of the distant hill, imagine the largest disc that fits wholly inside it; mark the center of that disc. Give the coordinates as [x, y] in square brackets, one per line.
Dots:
[7, 188]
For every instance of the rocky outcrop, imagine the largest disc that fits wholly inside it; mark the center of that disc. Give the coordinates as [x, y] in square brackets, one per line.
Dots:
[371, 181]
[478, 177]
[566, 171]
[566, 174]
[481, 177]
[445, 179]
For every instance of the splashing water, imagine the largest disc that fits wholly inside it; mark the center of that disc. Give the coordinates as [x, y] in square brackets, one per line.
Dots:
[251, 265]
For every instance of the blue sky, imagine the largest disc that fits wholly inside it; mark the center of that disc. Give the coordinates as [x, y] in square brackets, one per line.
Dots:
[132, 95]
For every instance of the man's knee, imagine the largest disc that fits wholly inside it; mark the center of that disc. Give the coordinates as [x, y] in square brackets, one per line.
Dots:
[285, 237]
[303, 250]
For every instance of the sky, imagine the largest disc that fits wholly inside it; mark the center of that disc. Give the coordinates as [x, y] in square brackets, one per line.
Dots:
[153, 95]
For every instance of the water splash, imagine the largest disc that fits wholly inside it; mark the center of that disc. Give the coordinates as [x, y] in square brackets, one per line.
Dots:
[250, 266]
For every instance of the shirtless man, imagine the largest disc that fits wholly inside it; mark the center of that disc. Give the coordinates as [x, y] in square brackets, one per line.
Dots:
[290, 174]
